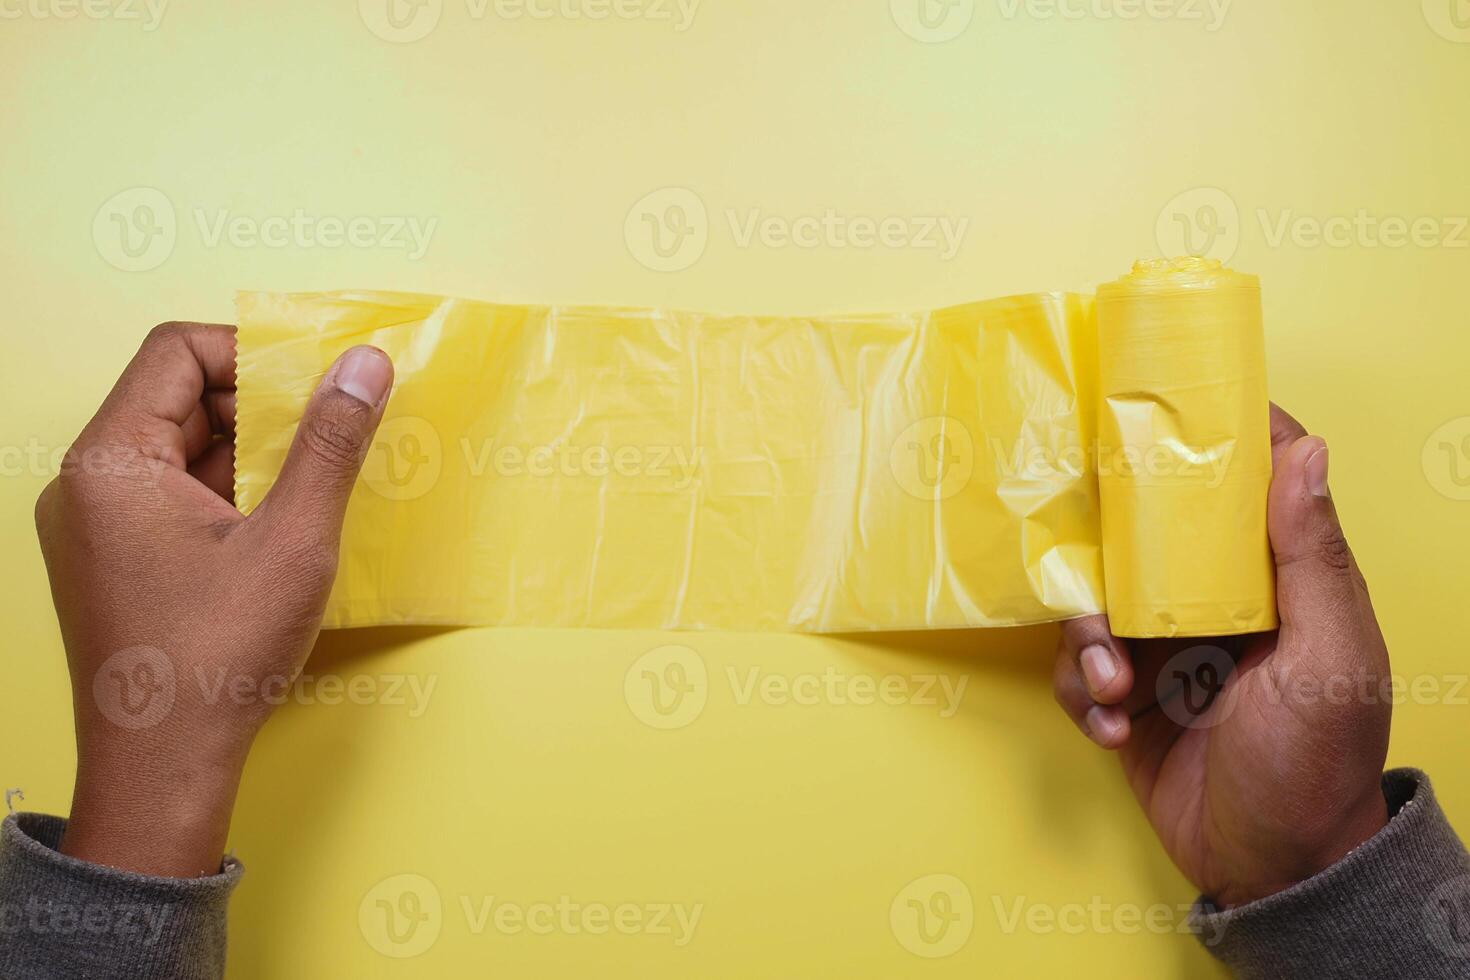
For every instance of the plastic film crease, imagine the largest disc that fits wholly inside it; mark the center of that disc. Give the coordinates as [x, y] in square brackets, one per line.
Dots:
[609, 467]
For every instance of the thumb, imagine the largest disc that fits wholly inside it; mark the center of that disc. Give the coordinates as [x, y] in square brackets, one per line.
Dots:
[1317, 591]
[311, 493]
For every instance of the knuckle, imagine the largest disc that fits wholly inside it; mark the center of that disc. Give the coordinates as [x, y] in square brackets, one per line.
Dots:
[167, 333]
[45, 501]
[302, 556]
[1333, 551]
[333, 437]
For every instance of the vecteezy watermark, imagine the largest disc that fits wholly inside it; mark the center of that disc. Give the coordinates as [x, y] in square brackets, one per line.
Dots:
[135, 688]
[833, 230]
[1210, 14]
[136, 923]
[147, 14]
[1364, 229]
[1204, 466]
[1450, 19]
[403, 915]
[1195, 688]
[1206, 222]
[565, 916]
[409, 691]
[34, 458]
[932, 916]
[138, 688]
[1446, 459]
[1192, 687]
[407, 459]
[1446, 917]
[933, 458]
[137, 230]
[932, 21]
[669, 687]
[839, 689]
[1099, 917]
[1203, 222]
[668, 230]
[406, 21]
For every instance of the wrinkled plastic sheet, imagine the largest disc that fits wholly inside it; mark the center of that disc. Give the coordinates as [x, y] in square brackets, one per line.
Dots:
[1013, 461]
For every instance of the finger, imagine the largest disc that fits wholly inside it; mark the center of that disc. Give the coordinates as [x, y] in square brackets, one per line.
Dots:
[219, 404]
[1285, 431]
[172, 369]
[215, 468]
[1318, 591]
[1101, 659]
[1107, 725]
[310, 496]
[159, 391]
[196, 433]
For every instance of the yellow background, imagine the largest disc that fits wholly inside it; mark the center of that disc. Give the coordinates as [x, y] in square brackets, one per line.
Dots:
[529, 776]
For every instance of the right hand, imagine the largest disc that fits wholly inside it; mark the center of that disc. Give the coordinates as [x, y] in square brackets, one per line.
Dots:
[1277, 776]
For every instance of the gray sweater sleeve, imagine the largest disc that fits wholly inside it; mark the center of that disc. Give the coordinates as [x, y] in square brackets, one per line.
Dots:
[61, 917]
[1397, 906]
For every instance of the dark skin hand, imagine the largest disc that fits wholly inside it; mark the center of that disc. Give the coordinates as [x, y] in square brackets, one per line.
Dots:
[173, 672]
[1274, 780]
[1277, 775]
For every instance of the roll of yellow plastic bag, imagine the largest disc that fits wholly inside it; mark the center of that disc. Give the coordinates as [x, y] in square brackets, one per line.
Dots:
[604, 467]
[1185, 452]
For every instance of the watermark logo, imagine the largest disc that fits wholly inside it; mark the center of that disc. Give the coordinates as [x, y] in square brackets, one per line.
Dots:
[401, 916]
[411, 692]
[943, 234]
[405, 459]
[147, 13]
[933, 916]
[103, 923]
[135, 230]
[932, 21]
[1099, 917]
[1191, 685]
[1446, 459]
[401, 21]
[566, 916]
[836, 688]
[1364, 229]
[1203, 222]
[1210, 13]
[1446, 917]
[1450, 19]
[934, 458]
[668, 229]
[667, 687]
[134, 688]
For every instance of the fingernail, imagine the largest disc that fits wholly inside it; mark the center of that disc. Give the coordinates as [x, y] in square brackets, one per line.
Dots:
[1317, 473]
[1098, 668]
[1103, 725]
[364, 373]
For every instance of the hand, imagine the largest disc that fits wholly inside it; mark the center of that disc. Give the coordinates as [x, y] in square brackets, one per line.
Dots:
[1275, 775]
[184, 622]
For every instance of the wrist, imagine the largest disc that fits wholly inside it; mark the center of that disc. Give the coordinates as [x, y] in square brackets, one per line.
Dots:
[1306, 858]
[158, 811]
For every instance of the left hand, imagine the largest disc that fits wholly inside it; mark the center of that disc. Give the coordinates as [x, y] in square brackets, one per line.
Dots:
[184, 621]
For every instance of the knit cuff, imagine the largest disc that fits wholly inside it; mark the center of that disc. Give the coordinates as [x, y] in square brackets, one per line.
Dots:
[1397, 906]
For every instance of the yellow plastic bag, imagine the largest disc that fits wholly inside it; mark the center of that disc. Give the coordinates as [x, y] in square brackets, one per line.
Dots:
[588, 466]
